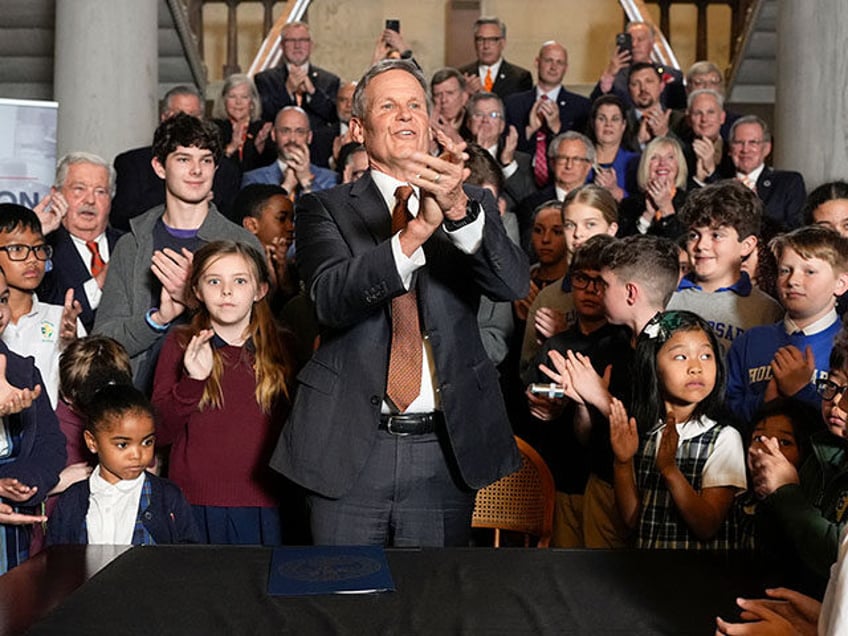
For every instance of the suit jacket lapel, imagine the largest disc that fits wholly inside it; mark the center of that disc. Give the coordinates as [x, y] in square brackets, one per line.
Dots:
[367, 203]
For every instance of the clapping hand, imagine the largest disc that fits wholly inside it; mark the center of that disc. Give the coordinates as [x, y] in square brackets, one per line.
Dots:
[50, 210]
[198, 357]
[70, 312]
[13, 399]
[792, 369]
[624, 435]
[666, 459]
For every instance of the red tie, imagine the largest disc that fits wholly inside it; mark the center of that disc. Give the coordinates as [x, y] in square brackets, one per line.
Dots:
[487, 82]
[97, 264]
[540, 159]
[404, 378]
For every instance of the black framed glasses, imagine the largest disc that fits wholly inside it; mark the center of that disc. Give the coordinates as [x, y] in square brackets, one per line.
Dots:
[829, 390]
[579, 280]
[17, 252]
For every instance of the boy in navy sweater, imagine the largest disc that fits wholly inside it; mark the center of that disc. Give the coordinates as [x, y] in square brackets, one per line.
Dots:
[786, 358]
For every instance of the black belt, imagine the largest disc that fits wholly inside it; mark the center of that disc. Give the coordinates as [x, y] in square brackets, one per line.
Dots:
[412, 423]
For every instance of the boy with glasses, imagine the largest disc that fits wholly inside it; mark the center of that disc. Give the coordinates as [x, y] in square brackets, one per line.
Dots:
[35, 328]
[555, 437]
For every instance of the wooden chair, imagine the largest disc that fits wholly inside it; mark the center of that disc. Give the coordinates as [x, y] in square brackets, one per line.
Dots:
[521, 502]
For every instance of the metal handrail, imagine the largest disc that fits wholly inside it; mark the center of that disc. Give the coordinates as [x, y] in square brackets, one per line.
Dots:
[179, 12]
[270, 51]
[636, 11]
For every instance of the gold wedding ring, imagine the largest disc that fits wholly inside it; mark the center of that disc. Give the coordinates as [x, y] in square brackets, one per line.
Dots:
[437, 178]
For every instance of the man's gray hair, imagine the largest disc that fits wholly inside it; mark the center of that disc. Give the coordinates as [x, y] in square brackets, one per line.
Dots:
[73, 158]
[571, 135]
[383, 66]
[751, 119]
[705, 91]
[182, 89]
[490, 20]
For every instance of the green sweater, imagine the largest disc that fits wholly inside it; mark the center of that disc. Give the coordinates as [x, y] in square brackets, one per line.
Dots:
[813, 513]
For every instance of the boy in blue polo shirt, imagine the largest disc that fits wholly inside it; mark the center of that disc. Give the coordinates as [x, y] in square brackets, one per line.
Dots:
[786, 358]
[723, 222]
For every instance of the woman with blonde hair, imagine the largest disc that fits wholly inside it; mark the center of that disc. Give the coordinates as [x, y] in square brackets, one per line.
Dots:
[662, 179]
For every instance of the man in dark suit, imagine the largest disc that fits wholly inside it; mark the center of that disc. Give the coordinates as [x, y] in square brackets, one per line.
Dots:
[391, 457]
[491, 72]
[138, 189]
[707, 153]
[486, 124]
[782, 191]
[79, 205]
[296, 82]
[548, 108]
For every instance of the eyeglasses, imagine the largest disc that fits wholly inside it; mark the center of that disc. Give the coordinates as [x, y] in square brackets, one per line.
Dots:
[297, 40]
[300, 132]
[492, 40]
[754, 143]
[494, 115]
[579, 280]
[567, 160]
[17, 252]
[829, 390]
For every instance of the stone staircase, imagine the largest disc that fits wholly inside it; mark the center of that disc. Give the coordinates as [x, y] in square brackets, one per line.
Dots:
[26, 48]
[753, 78]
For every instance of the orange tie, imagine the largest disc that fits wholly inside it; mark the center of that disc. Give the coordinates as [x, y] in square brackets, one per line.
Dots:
[298, 97]
[405, 358]
[488, 83]
[97, 265]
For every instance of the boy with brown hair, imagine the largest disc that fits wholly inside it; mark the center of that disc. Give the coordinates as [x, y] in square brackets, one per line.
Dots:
[723, 222]
[786, 358]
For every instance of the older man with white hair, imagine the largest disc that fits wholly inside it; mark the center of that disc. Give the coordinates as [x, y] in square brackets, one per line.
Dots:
[75, 218]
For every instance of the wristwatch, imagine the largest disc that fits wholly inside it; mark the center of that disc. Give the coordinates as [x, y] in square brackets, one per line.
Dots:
[472, 211]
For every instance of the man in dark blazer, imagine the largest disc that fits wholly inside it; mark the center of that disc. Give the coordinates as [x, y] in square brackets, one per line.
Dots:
[80, 200]
[296, 82]
[548, 107]
[490, 67]
[486, 125]
[783, 192]
[138, 189]
[378, 469]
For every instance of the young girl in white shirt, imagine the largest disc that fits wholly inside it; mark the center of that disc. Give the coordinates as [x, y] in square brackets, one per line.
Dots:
[121, 503]
[675, 483]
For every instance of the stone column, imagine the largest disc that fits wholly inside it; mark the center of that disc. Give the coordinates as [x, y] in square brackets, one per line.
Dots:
[811, 104]
[106, 75]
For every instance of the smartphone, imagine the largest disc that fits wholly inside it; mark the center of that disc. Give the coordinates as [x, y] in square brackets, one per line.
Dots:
[624, 42]
[393, 25]
[548, 390]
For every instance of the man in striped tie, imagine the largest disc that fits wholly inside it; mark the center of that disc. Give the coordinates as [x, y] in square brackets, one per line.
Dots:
[491, 72]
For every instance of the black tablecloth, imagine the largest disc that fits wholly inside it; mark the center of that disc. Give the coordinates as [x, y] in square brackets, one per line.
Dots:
[222, 590]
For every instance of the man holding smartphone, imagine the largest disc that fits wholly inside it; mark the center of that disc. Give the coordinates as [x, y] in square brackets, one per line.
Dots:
[615, 76]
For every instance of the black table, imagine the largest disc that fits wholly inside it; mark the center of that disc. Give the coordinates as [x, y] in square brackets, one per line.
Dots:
[221, 590]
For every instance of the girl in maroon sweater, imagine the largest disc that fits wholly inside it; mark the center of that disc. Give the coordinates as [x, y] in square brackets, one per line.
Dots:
[221, 391]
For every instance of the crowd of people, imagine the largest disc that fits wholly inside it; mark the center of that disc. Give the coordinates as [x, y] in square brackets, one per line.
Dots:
[177, 366]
